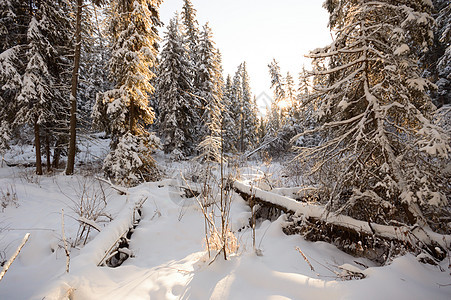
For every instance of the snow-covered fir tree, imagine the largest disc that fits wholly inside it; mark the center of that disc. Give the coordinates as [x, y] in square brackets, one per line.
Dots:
[283, 118]
[248, 134]
[208, 87]
[177, 103]
[443, 83]
[229, 126]
[94, 56]
[242, 110]
[126, 107]
[381, 154]
[191, 27]
[437, 61]
[42, 100]
[14, 20]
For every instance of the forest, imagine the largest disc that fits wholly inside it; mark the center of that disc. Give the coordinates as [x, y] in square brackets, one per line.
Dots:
[133, 167]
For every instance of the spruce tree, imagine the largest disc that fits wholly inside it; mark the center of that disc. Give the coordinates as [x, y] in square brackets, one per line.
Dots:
[248, 136]
[381, 154]
[14, 20]
[74, 83]
[208, 87]
[126, 107]
[175, 90]
[229, 126]
[41, 102]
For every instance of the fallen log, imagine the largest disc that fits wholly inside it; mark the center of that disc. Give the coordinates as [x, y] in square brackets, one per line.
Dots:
[374, 241]
[103, 250]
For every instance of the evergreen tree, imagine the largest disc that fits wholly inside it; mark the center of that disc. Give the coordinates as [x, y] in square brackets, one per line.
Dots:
[444, 61]
[436, 62]
[95, 54]
[379, 160]
[41, 102]
[74, 82]
[126, 107]
[177, 116]
[229, 126]
[249, 124]
[208, 84]
[14, 20]
[191, 28]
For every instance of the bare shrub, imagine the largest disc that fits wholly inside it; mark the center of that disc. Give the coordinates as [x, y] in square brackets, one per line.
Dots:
[88, 206]
[8, 197]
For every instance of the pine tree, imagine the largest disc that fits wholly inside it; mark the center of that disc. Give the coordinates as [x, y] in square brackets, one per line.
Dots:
[175, 90]
[134, 32]
[380, 154]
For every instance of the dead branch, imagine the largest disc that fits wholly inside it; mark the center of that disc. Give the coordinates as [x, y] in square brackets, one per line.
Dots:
[10, 261]
[359, 238]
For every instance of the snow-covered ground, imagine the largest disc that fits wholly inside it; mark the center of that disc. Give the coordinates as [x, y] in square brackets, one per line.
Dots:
[170, 259]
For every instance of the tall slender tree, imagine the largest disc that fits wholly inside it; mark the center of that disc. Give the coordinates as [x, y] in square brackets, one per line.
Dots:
[175, 95]
[74, 85]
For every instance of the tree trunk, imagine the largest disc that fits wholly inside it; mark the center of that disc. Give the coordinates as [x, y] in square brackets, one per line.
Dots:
[73, 98]
[132, 118]
[37, 143]
[47, 152]
[242, 134]
[57, 153]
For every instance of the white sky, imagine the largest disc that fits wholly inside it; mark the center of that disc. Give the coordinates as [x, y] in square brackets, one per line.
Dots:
[256, 31]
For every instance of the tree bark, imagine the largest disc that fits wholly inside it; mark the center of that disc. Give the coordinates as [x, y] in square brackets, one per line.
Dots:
[47, 152]
[37, 143]
[57, 153]
[73, 100]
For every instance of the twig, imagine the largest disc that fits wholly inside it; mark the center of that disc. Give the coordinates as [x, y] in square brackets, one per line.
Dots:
[114, 187]
[306, 259]
[65, 242]
[10, 261]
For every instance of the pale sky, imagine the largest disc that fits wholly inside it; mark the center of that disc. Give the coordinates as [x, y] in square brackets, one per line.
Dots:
[256, 31]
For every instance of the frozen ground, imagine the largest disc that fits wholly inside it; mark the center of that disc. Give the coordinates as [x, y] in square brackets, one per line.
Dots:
[170, 260]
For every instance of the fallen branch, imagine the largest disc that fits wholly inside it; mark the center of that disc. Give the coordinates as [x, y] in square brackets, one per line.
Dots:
[353, 236]
[66, 248]
[120, 190]
[11, 260]
[90, 223]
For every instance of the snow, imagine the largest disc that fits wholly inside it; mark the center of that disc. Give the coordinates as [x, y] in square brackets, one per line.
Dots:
[403, 49]
[170, 260]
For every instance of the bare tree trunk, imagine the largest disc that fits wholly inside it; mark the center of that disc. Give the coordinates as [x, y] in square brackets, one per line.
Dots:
[47, 151]
[223, 201]
[57, 153]
[73, 98]
[37, 144]
[242, 133]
